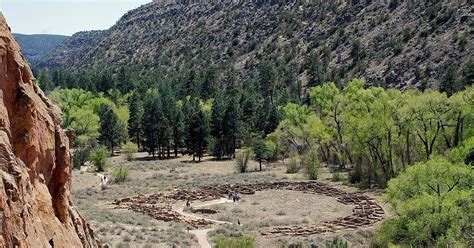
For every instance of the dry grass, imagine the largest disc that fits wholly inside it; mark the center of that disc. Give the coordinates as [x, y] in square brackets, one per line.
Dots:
[281, 207]
[122, 228]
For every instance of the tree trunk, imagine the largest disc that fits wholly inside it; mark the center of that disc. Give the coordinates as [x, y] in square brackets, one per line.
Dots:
[408, 147]
[458, 133]
[138, 141]
[260, 163]
[112, 148]
[175, 149]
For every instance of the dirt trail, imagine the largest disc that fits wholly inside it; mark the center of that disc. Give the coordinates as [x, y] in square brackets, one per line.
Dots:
[180, 209]
[168, 206]
[201, 234]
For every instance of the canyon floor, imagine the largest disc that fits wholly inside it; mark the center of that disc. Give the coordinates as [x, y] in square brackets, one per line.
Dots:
[265, 209]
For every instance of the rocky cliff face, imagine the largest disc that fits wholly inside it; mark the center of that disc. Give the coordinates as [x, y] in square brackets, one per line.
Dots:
[35, 162]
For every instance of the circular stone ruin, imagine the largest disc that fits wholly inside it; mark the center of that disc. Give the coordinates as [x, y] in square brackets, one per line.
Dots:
[365, 211]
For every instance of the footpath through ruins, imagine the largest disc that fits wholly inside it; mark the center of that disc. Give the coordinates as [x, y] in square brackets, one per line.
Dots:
[160, 206]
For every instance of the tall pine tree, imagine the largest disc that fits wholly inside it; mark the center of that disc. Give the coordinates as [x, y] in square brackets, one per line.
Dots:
[110, 129]
[217, 127]
[198, 129]
[135, 119]
[232, 117]
[150, 123]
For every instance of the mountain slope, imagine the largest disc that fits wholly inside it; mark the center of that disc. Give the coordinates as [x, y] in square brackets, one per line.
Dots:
[395, 45]
[36, 46]
[70, 50]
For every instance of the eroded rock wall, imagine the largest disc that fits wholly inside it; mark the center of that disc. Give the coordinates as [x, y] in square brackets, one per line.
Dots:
[35, 162]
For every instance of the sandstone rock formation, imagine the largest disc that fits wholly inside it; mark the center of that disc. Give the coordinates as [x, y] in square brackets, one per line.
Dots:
[35, 162]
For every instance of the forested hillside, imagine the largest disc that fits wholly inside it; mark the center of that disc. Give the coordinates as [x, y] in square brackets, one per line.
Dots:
[402, 44]
[36, 46]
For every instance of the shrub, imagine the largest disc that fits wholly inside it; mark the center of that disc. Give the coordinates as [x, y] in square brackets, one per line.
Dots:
[312, 165]
[362, 185]
[463, 42]
[294, 164]
[393, 4]
[280, 213]
[337, 243]
[242, 159]
[337, 176]
[406, 34]
[234, 242]
[121, 174]
[355, 175]
[98, 157]
[433, 203]
[397, 46]
[129, 149]
[357, 51]
[80, 157]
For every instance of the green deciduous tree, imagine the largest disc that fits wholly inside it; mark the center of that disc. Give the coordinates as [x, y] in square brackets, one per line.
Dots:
[433, 201]
[377, 133]
[86, 125]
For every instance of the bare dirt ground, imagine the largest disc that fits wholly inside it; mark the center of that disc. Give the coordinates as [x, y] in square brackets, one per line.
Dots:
[281, 206]
[264, 209]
